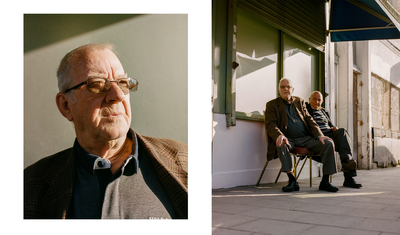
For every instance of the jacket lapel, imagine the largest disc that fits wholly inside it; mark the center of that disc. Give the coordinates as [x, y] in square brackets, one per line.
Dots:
[283, 115]
[299, 110]
[60, 178]
[171, 169]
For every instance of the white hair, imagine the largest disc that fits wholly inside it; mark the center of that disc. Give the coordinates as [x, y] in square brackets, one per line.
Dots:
[287, 79]
[66, 65]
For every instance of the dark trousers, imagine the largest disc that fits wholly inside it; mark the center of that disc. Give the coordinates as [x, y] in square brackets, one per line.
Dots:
[326, 152]
[342, 141]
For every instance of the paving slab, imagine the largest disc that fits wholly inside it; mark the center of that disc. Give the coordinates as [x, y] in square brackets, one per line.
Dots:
[379, 225]
[372, 209]
[273, 227]
[377, 214]
[329, 230]
[223, 231]
[223, 220]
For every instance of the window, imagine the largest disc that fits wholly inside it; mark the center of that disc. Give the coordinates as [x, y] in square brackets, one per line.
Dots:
[300, 65]
[257, 55]
[265, 55]
[385, 101]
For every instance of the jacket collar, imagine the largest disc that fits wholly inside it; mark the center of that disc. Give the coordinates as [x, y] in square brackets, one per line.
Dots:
[60, 177]
[282, 110]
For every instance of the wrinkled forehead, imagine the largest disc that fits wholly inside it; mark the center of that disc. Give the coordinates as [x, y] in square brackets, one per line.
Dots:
[97, 62]
[285, 82]
[316, 95]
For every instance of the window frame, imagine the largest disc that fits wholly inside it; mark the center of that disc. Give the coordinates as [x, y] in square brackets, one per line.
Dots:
[231, 113]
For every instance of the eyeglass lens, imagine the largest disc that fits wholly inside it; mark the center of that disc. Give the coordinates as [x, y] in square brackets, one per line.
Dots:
[101, 85]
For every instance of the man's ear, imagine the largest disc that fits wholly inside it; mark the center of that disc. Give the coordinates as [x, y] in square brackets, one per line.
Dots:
[63, 105]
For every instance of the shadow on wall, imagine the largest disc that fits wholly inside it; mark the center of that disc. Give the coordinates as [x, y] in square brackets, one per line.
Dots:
[395, 74]
[44, 29]
[383, 157]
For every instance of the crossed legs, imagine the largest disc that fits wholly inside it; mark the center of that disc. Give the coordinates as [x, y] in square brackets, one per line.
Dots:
[342, 142]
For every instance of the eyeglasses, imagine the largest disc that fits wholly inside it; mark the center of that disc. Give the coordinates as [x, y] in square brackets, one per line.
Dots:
[102, 85]
[288, 87]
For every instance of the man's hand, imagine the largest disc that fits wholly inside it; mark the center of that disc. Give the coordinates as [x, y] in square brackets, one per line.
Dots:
[322, 138]
[281, 139]
[334, 128]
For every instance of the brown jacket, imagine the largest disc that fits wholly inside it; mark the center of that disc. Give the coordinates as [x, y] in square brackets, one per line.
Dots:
[276, 121]
[49, 183]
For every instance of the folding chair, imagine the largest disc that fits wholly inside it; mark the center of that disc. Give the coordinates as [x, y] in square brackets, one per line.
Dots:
[299, 152]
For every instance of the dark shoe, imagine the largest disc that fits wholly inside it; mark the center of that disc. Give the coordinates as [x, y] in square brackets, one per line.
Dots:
[351, 183]
[326, 186]
[292, 186]
[348, 166]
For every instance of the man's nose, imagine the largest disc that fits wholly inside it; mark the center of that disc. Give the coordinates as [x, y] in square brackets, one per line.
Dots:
[115, 94]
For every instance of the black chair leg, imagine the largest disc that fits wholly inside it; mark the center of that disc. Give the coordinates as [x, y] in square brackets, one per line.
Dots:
[262, 173]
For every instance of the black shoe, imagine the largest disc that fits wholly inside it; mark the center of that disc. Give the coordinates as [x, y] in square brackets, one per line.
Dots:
[351, 183]
[349, 165]
[292, 186]
[326, 186]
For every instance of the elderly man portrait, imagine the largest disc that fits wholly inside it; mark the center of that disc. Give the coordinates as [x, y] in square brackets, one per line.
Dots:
[289, 125]
[340, 137]
[111, 171]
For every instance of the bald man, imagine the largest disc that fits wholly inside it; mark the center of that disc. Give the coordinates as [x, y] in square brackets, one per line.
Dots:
[340, 137]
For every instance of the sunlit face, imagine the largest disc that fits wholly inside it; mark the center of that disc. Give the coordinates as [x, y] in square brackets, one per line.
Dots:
[285, 89]
[316, 100]
[106, 115]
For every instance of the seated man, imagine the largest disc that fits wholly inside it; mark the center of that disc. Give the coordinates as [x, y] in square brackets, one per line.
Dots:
[289, 125]
[111, 171]
[340, 137]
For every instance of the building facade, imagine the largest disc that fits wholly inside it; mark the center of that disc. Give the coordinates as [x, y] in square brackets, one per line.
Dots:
[255, 44]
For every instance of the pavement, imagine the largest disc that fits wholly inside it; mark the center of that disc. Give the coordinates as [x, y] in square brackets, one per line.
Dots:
[372, 209]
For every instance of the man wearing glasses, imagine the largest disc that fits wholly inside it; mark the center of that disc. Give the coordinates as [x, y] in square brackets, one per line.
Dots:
[111, 171]
[289, 125]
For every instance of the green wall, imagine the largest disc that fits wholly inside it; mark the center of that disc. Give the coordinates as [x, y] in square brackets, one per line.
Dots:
[219, 38]
[152, 48]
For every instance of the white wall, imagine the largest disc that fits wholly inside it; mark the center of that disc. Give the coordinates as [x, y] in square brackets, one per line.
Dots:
[345, 85]
[239, 155]
[379, 57]
[152, 48]
[385, 62]
[364, 64]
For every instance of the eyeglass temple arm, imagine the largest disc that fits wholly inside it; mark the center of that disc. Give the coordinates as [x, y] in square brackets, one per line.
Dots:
[74, 87]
